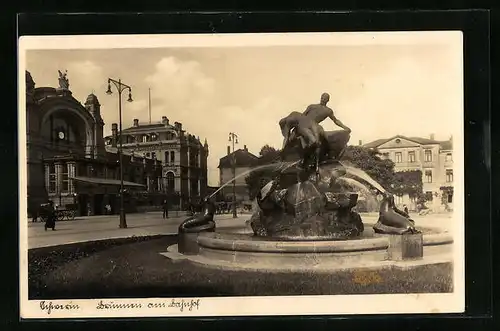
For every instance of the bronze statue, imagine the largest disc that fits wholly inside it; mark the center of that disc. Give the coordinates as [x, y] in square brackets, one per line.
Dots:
[392, 220]
[200, 222]
[319, 112]
[313, 139]
[297, 126]
[63, 80]
[302, 211]
[30, 83]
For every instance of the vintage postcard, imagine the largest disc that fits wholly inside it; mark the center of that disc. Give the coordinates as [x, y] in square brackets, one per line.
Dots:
[241, 174]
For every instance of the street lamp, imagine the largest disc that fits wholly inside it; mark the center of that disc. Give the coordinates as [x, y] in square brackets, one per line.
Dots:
[120, 88]
[233, 137]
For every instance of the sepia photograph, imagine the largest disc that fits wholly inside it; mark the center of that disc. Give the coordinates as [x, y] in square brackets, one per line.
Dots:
[206, 174]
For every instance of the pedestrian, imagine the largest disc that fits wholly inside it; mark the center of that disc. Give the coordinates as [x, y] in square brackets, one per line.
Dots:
[50, 221]
[108, 209]
[405, 208]
[165, 208]
[33, 211]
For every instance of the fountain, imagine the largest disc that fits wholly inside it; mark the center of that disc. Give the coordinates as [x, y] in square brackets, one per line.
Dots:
[306, 209]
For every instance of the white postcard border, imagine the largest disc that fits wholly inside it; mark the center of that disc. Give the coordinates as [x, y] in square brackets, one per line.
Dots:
[242, 306]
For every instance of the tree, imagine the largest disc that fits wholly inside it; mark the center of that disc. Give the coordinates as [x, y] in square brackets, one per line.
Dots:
[368, 160]
[408, 182]
[256, 179]
[268, 154]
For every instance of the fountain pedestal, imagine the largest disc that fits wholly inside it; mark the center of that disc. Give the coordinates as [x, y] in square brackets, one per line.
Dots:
[408, 246]
[306, 211]
[188, 243]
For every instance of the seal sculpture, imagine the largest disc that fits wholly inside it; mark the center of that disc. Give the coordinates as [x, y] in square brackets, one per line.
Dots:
[192, 226]
[392, 220]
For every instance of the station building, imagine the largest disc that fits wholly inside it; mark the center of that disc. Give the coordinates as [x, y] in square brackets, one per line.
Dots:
[67, 160]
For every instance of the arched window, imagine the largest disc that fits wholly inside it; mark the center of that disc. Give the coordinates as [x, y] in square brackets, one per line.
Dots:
[170, 182]
[144, 138]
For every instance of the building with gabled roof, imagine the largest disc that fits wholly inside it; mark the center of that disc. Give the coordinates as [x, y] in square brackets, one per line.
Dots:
[433, 157]
[244, 161]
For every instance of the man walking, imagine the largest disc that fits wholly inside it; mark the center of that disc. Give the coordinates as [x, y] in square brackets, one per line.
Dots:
[165, 208]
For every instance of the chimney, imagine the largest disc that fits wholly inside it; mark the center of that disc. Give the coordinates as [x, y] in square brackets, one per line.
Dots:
[245, 148]
[228, 150]
[136, 122]
[431, 136]
[361, 143]
[114, 134]
[164, 120]
[178, 126]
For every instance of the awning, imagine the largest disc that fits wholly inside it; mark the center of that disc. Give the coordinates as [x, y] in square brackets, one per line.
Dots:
[104, 181]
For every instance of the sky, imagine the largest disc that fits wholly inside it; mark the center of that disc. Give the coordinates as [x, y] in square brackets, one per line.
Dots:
[377, 90]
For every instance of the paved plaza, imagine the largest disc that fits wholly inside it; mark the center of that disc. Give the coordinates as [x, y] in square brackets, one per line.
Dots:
[147, 224]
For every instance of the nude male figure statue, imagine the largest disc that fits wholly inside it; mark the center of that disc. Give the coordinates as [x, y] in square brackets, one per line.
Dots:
[319, 112]
[305, 127]
[310, 134]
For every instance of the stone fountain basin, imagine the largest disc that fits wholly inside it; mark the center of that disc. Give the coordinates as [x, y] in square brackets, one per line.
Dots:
[243, 250]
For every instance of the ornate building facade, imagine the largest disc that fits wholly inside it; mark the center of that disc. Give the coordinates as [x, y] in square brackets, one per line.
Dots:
[67, 161]
[182, 155]
[432, 157]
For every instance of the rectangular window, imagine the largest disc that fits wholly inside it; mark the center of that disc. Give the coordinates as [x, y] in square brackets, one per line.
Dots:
[399, 157]
[65, 179]
[450, 197]
[428, 155]
[449, 175]
[172, 157]
[428, 196]
[144, 138]
[166, 157]
[52, 178]
[411, 156]
[428, 176]
[448, 157]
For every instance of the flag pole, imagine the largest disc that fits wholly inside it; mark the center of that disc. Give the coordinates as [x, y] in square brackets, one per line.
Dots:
[149, 90]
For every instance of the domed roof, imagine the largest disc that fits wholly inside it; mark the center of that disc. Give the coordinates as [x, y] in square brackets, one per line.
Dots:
[92, 99]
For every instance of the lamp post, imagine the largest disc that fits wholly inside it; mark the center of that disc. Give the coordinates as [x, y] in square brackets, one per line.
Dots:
[233, 138]
[120, 88]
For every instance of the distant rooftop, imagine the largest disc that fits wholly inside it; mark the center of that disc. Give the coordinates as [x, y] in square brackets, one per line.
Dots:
[445, 145]
[242, 157]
